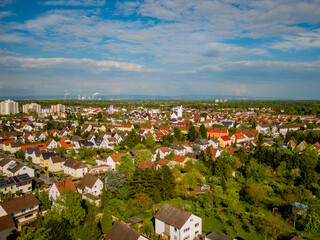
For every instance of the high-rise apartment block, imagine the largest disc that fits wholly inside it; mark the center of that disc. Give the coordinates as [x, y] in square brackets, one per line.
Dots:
[8, 107]
[59, 108]
[34, 106]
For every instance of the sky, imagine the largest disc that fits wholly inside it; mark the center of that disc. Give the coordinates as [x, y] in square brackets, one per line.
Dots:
[254, 48]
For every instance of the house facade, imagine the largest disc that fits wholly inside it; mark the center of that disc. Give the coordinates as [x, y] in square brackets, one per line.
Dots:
[174, 223]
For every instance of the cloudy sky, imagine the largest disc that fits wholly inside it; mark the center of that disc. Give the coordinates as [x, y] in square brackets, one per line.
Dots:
[256, 48]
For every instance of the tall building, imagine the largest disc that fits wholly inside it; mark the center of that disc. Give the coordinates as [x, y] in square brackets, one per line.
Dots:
[179, 111]
[8, 107]
[59, 108]
[35, 106]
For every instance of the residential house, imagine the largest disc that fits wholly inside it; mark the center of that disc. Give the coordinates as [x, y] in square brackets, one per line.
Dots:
[178, 148]
[75, 168]
[146, 164]
[180, 160]
[17, 168]
[163, 151]
[44, 158]
[56, 163]
[317, 147]
[65, 142]
[286, 128]
[113, 160]
[238, 138]
[266, 128]
[224, 141]
[22, 209]
[203, 143]
[57, 188]
[126, 127]
[291, 144]
[5, 162]
[217, 132]
[90, 184]
[216, 236]
[303, 145]
[22, 183]
[121, 231]
[147, 128]
[8, 229]
[174, 223]
[52, 144]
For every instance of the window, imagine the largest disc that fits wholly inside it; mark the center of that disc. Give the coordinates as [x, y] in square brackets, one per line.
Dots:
[175, 229]
[167, 228]
[196, 225]
[187, 237]
[186, 230]
[191, 219]
[196, 233]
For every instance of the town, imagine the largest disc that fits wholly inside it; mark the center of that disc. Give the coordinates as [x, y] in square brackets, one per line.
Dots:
[159, 170]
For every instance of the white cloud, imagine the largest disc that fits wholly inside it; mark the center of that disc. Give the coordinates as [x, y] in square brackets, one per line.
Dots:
[5, 14]
[85, 3]
[300, 41]
[6, 2]
[262, 66]
[72, 63]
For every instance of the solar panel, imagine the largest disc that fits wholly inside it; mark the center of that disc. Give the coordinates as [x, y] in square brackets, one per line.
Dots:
[16, 179]
[2, 182]
[24, 177]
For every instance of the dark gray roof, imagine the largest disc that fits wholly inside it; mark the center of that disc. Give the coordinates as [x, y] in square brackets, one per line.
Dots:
[172, 216]
[217, 236]
[121, 231]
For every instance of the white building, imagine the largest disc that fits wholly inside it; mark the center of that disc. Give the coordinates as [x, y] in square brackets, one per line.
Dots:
[179, 111]
[75, 168]
[90, 184]
[22, 209]
[57, 188]
[8, 107]
[59, 108]
[34, 106]
[176, 224]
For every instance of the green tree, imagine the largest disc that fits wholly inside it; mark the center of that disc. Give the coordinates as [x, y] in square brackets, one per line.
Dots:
[142, 200]
[45, 201]
[131, 140]
[125, 163]
[21, 154]
[192, 133]
[149, 141]
[40, 234]
[143, 154]
[203, 131]
[106, 220]
[178, 134]
[113, 181]
[69, 206]
[90, 228]
[61, 150]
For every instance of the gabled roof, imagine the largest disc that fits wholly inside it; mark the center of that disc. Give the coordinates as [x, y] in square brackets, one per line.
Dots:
[65, 184]
[18, 204]
[179, 158]
[87, 181]
[121, 231]
[146, 164]
[75, 164]
[172, 216]
[217, 236]
[225, 138]
[115, 157]
[6, 222]
[164, 149]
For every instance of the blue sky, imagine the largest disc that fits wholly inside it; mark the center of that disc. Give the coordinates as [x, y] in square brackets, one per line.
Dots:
[253, 48]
